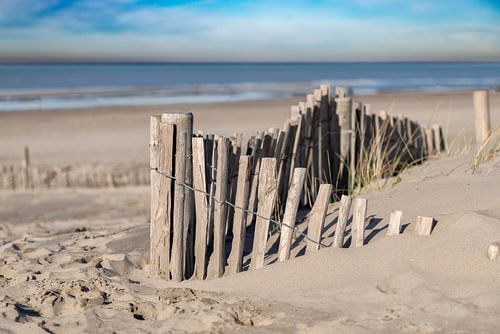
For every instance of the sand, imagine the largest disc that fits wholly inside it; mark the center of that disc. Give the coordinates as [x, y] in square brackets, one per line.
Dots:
[75, 260]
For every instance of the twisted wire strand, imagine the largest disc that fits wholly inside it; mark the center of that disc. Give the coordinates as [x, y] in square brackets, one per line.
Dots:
[276, 222]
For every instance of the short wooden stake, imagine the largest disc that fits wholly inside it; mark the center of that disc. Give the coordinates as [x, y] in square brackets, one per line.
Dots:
[482, 115]
[423, 225]
[493, 251]
[358, 222]
[395, 223]
[290, 216]
[267, 199]
[317, 218]
[345, 205]
[235, 261]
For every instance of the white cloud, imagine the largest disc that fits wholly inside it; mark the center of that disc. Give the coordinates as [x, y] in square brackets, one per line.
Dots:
[192, 34]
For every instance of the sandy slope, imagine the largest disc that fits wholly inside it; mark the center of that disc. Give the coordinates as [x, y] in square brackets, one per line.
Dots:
[83, 267]
[76, 260]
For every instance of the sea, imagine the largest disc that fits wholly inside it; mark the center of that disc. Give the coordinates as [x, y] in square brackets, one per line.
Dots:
[63, 86]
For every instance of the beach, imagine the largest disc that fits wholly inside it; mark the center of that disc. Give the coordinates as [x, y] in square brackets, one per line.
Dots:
[76, 259]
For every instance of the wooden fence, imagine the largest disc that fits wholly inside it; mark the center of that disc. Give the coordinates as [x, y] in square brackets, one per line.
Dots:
[213, 197]
[27, 176]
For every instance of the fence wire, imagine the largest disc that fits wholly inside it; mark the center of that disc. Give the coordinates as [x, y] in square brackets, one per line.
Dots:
[276, 222]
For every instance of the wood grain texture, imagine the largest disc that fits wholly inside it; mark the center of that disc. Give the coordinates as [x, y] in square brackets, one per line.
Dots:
[358, 222]
[217, 260]
[423, 225]
[290, 215]
[345, 205]
[235, 261]
[267, 199]
[201, 207]
[317, 218]
[395, 223]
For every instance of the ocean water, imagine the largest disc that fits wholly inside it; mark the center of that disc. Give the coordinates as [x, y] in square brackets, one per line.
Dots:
[24, 87]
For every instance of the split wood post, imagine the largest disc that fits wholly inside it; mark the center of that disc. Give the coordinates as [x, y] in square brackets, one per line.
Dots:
[317, 218]
[159, 259]
[358, 222]
[161, 161]
[290, 215]
[235, 261]
[345, 205]
[395, 223]
[267, 200]
[183, 127]
[26, 168]
[201, 207]
[482, 115]
[344, 111]
[423, 225]
[217, 260]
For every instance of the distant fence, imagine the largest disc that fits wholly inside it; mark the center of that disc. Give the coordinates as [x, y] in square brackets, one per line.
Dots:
[28, 176]
[207, 191]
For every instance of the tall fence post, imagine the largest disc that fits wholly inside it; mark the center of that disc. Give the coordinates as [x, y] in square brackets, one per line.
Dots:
[482, 113]
[170, 207]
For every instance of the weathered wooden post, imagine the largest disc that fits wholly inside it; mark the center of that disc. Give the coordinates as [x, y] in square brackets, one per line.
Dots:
[217, 260]
[423, 225]
[26, 168]
[267, 199]
[292, 205]
[345, 205]
[358, 222]
[317, 218]
[169, 136]
[344, 111]
[395, 223]
[482, 113]
[235, 261]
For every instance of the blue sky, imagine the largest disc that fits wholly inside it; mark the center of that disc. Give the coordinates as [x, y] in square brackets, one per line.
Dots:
[212, 30]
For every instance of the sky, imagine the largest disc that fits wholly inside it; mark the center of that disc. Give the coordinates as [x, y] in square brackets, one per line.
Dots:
[214, 30]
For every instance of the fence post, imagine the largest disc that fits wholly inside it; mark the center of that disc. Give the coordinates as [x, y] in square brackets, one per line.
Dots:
[292, 205]
[266, 201]
[216, 264]
[201, 206]
[395, 223]
[26, 168]
[169, 146]
[239, 224]
[358, 222]
[345, 205]
[344, 111]
[317, 218]
[482, 112]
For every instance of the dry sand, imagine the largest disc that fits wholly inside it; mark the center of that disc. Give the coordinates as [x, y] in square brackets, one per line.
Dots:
[76, 260]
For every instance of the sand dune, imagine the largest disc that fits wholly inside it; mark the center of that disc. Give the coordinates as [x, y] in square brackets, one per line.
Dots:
[76, 260]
